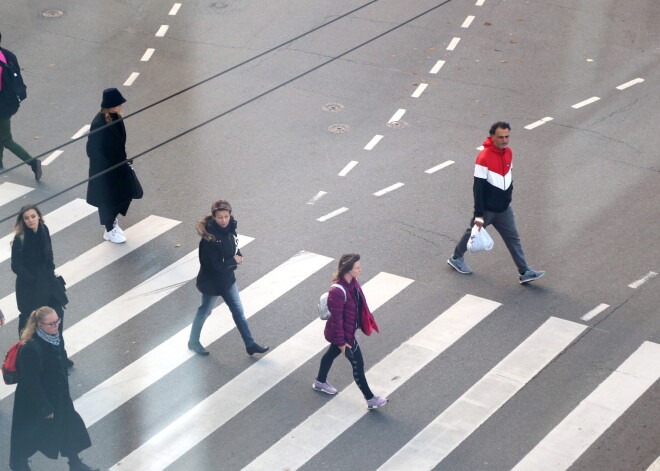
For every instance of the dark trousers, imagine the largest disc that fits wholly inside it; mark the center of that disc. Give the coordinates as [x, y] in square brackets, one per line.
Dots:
[357, 363]
[108, 214]
[7, 141]
[505, 224]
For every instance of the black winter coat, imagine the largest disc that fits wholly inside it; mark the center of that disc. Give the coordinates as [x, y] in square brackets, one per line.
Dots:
[8, 105]
[43, 388]
[105, 149]
[216, 257]
[32, 261]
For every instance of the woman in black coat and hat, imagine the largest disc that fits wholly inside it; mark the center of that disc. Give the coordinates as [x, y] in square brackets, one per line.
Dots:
[32, 261]
[44, 418]
[111, 192]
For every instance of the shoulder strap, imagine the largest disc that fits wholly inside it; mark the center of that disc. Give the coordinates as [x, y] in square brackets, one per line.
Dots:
[335, 285]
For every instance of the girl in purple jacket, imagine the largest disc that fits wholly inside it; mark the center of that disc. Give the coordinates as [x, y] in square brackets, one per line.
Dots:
[346, 307]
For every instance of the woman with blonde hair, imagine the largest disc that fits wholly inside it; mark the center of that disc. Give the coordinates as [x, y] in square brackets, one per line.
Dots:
[44, 418]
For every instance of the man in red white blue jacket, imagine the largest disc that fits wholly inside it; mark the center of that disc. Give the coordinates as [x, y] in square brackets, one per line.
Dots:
[493, 187]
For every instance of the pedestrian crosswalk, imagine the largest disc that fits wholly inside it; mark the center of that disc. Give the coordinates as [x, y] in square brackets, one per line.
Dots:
[409, 361]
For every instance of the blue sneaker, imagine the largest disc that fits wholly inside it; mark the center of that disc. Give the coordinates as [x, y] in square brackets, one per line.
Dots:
[459, 265]
[530, 275]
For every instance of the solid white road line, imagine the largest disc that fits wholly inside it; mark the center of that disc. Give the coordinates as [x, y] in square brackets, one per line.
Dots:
[317, 197]
[59, 219]
[175, 9]
[11, 191]
[81, 132]
[397, 116]
[453, 44]
[131, 78]
[419, 90]
[655, 466]
[388, 189]
[162, 30]
[436, 68]
[310, 437]
[48, 160]
[630, 84]
[100, 257]
[538, 123]
[348, 168]
[147, 54]
[596, 413]
[585, 102]
[154, 365]
[192, 427]
[332, 214]
[467, 22]
[479, 3]
[594, 312]
[439, 167]
[434, 443]
[641, 281]
[372, 143]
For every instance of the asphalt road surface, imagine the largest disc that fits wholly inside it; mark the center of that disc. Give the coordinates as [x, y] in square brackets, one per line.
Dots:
[352, 126]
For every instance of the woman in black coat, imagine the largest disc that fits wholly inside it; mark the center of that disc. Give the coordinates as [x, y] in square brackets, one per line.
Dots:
[112, 192]
[44, 418]
[32, 261]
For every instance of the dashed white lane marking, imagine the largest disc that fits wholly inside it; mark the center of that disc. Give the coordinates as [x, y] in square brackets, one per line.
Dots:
[334, 213]
[147, 54]
[317, 197]
[372, 143]
[536, 124]
[439, 167]
[348, 168]
[630, 84]
[479, 3]
[585, 102]
[480, 148]
[420, 89]
[436, 68]
[131, 78]
[594, 312]
[397, 116]
[388, 189]
[162, 30]
[175, 9]
[81, 132]
[52, 157]
[467, 22]
[453, 43]
[641, 281]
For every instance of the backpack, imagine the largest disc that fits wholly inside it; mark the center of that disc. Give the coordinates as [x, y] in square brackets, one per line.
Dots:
[13, 90]
[9, 370]
[324, 312]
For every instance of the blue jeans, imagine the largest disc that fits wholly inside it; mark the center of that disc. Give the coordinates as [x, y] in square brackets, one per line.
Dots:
[233, 301]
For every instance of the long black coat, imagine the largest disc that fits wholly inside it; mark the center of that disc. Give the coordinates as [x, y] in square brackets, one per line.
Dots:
[43, 389]
[105, 149]
[9, 105]
[216, 257]
[32, 261]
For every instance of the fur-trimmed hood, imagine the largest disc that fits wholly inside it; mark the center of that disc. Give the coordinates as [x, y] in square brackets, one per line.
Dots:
[208, 229]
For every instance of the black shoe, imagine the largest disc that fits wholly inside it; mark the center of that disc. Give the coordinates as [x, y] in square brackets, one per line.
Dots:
[256, 348]
[36, 168]
[197, 348]
[69, 363]
[80, 466]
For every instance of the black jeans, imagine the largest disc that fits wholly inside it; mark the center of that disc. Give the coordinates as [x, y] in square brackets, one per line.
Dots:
[357, 363]
[108, 214]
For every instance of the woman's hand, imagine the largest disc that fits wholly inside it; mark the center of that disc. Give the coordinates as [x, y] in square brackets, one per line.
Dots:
[343, 348]
[238, 259]
[50, 416]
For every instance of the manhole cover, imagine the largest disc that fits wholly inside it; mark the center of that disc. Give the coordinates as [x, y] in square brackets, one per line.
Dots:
[333, 107]
[52, 13]
[339, 128]
[397, 124]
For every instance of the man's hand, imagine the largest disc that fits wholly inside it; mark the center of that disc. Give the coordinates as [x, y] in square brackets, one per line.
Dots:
[479, 222]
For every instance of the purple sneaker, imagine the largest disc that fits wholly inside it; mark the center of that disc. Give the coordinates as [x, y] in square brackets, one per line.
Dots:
[324, 387]
[376, 402]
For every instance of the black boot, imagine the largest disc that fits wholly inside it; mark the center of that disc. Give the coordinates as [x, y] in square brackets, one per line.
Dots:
[36, 168]
[256, 348]
[197, 348]
[76, 464]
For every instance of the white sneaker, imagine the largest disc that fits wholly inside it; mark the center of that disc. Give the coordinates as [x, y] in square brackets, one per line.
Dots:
[115, 225]
[114, 236]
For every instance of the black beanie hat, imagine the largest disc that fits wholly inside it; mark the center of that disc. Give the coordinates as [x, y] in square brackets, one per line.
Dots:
[111, 98]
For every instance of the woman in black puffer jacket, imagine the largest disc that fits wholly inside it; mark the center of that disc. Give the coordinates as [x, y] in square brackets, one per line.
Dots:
[219, 256]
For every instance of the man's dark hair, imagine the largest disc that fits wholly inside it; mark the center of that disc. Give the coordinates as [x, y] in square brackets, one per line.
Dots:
[499, 125]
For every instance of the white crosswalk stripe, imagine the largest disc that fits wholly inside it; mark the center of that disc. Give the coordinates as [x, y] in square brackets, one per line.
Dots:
[173, 352]
[11, 191]
[463, 417]
[598, 411]
[100, 257]
[184, 433]
[322, 427]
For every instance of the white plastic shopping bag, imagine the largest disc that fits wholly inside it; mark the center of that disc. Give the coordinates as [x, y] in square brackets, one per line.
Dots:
[479, 240]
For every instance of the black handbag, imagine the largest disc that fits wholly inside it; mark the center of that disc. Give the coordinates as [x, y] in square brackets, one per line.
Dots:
[136, 188]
